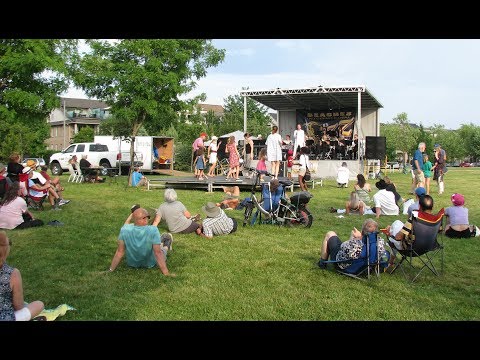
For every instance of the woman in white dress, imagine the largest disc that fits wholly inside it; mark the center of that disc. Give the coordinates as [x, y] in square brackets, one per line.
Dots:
[212, 155]
[299, 137]
[274, 150]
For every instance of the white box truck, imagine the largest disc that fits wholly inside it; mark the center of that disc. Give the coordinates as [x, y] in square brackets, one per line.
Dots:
[151, 152]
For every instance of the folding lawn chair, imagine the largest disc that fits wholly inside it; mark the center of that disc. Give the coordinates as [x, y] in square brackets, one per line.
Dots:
[369, 261]
[425, 246]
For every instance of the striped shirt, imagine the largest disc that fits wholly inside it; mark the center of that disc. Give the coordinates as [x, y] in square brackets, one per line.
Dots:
[218, 225]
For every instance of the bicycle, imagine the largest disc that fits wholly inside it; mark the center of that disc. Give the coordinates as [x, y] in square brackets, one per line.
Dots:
[286, 212]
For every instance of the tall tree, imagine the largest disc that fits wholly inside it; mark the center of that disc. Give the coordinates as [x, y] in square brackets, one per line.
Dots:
[85, 134]
[428, 139]
[404, 137]
[32, 75]
[470, 135]
[142, 79]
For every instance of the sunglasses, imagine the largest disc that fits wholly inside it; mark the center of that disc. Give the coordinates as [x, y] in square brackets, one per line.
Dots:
[146, 217]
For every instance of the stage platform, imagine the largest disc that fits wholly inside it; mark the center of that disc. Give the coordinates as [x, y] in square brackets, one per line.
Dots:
[320, 170]
[218, 182]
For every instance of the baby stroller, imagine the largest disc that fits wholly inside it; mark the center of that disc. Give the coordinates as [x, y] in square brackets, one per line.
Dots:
[274, 207]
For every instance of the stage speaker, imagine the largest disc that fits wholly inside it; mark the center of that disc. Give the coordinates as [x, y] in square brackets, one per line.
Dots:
[375, 147]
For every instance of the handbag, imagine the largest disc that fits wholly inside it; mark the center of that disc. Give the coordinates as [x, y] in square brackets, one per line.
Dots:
[307, 175]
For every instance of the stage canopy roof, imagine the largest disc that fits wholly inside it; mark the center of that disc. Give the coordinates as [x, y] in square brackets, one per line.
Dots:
[315, 98]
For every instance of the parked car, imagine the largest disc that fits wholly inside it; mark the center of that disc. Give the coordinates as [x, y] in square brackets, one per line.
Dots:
[465, 164]
[98, 155]
[39, 161]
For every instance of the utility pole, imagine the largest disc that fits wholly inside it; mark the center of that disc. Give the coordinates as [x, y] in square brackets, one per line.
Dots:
[64, 118]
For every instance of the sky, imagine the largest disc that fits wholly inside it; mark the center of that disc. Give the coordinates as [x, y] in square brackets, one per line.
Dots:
[434, 81]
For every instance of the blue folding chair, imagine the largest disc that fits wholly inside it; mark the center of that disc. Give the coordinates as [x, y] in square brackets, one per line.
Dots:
[367, 263]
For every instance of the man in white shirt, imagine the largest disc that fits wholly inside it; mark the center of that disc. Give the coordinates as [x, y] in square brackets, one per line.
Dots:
[299, 137]
[384, 200]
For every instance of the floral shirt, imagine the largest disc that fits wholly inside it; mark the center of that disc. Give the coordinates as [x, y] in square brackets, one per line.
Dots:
[351, 250]
[7, 312]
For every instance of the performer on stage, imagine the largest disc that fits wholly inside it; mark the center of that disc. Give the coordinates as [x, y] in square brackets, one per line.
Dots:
[299, 137]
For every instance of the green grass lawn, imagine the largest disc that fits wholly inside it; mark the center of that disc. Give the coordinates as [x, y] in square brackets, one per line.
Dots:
[259, 273]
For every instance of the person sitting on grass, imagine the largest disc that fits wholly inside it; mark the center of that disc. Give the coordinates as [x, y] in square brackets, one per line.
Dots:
[14, 213]
[342, 175]
[12, 305]
[458, 225]
[419, 192]
[137, 178]
[354, 204]
[362, 188]
[333, 248]
[142, 244]
[391, 187]
[176, 215]
[217, 222]
[3, 180]
[384, 200]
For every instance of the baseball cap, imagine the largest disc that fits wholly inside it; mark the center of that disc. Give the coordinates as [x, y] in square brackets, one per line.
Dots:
[436, 145]
[420, 191]
[458, 199]
[396, 226]
[26, 170]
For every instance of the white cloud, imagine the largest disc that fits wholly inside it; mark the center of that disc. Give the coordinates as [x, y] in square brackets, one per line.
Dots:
[242, 52]
[295, 45]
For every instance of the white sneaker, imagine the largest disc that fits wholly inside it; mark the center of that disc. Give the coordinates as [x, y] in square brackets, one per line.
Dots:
[477, 231]
[167, 240]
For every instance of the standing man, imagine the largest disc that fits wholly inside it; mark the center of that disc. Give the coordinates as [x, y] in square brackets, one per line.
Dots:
[299, 137]
[440, 168]
[417, 166]
[197, 144]
[142, 244]
[247, 153]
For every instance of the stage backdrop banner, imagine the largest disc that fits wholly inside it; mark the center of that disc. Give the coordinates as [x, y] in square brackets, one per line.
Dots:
[334, 123]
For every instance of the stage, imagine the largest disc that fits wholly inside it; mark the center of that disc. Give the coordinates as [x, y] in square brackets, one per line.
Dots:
[320, 169]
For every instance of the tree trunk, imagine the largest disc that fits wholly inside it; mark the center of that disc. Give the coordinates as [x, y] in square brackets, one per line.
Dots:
[136, 127]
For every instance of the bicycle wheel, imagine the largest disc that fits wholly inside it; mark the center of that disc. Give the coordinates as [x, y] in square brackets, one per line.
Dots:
[298, 217]
[248, 212]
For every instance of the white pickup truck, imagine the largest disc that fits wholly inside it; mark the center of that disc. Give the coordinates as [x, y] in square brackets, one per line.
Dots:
[98, 155]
